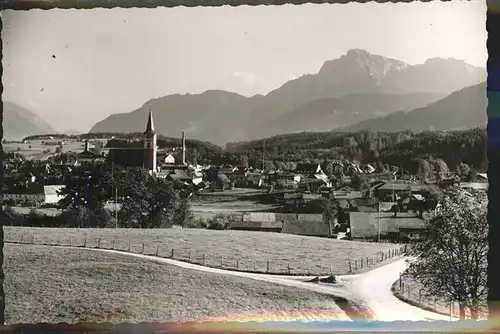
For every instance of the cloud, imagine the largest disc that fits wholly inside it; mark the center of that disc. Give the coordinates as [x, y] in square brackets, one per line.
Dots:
[247, 78]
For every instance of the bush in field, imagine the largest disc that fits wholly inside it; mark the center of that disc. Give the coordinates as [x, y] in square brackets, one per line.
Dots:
[197, 223]
[79, 216]
[219, 222]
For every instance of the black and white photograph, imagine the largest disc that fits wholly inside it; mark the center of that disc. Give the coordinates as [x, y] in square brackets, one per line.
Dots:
[315, 162]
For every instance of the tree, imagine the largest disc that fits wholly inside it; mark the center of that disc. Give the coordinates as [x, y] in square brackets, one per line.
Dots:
[463, 170]
[183, 214]
[441, 168]
[244, 161]
[424, 169]
[330, 210]
[88, 189]
[150, 202]
[451, 262]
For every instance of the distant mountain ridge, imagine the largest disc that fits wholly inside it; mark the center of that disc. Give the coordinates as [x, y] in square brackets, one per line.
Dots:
[19, 122]
[352, 88]
[464, 109]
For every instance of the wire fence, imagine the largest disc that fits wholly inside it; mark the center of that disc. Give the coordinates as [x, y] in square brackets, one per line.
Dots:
[413, 292]
[356, 266]
[260, 265]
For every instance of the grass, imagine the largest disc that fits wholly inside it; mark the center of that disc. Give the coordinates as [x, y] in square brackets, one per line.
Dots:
[413, 293]
[50, 284]
[242, 250]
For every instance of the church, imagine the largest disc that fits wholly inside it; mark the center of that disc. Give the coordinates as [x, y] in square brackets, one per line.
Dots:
[145, 157]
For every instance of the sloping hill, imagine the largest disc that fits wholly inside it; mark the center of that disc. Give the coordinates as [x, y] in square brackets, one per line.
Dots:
[327, 114]
[464, 109]
[19, 122]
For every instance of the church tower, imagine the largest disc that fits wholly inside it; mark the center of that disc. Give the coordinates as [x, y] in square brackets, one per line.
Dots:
[150, 144]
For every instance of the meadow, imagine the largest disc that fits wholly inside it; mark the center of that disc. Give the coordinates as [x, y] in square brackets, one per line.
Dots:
[239, 250]
[51, 284]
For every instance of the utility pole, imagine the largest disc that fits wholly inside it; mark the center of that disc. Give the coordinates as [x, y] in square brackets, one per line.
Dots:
[263, 150]
[378, 219]
[116, 207]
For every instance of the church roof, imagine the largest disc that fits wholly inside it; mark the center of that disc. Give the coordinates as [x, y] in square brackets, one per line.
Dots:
[150, 128]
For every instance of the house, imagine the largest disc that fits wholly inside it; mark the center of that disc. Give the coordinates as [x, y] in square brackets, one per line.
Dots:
[481, 186]
[168, 159]
[366, 226]
[482, 177]
[390, 192]
[51, 194]
[180, 176]
[369, 169]
[313, 178]
[35, 195]
[307, 169]
[413, 202]
[255, 179]
[227, 169]
[87, 156]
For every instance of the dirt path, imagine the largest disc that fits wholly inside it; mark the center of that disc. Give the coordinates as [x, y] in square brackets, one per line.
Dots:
[374, 288]
[371, 290]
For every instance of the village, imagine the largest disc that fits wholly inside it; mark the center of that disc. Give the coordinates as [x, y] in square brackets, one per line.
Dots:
[369, 204]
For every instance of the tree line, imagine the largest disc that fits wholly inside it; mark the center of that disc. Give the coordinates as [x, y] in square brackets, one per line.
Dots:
[404, 149]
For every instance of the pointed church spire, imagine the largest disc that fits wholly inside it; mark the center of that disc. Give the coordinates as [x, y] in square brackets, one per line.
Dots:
[150, 127]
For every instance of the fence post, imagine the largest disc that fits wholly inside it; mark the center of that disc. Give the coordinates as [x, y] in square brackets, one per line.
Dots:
[350, 268]
[33, 240]
[331, 270]
[71, 241]
[189, 256]
[99, 242]
[237, 264]
[420, 295]
[361, 263]
[85, 241]
[114, 243]
[22, 237]
[367, 263]
[128, 250]
[288, 268]
[267, 266]
[157, 249]
[204, 258]
[142, 250]
[356, 265]
[221, 261]
[254, 266]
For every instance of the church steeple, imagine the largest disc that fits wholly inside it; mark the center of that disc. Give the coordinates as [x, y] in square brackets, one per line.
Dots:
[150, 144]
[150, 128]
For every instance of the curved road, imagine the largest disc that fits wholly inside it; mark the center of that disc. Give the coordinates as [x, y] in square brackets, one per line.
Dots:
[371, 289]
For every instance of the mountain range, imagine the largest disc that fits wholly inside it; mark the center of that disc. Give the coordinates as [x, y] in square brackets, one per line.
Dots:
[19, 122]
[356, 87]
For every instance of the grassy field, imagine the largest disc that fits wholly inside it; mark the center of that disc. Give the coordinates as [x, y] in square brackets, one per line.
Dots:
[49, 284]
[36, 147]
[243, 250]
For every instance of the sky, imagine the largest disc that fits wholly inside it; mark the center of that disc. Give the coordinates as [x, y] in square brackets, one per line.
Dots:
[74, 68]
